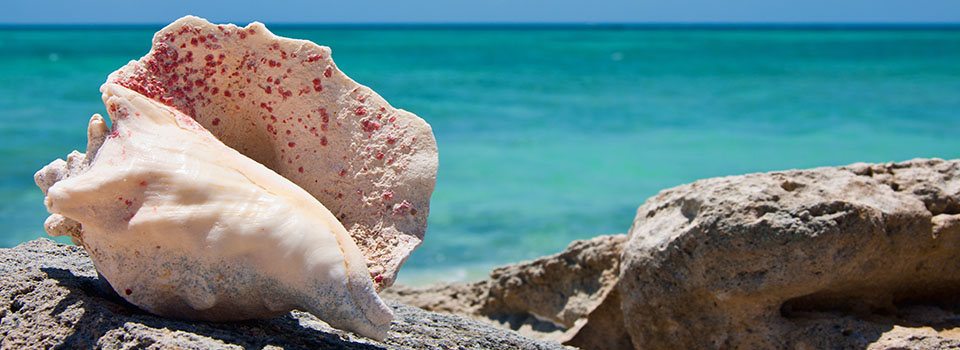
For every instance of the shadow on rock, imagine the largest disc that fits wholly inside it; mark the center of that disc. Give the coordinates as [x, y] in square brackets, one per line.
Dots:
[107, 318]
[52, 297]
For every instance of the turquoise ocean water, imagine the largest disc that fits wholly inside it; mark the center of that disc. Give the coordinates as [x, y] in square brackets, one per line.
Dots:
[547, 135]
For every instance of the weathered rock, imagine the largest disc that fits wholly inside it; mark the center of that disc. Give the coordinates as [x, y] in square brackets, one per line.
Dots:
[551, 298]
[816, 259]
[50, 296]
[925, 338]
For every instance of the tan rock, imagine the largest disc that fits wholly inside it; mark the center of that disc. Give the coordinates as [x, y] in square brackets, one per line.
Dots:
[818, 259]
[917, 338]
[559, 297]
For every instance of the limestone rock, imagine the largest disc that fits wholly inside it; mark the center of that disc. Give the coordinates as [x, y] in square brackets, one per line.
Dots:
[924, 338]
[810, 259]
[50, 296]
[559, 297]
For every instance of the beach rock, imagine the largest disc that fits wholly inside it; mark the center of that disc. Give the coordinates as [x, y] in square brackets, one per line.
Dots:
[826, 258]
[569, 297]
[922, 338]
[50, 296]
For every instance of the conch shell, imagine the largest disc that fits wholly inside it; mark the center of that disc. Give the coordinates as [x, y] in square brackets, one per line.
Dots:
[208, 197]
[184, 226]
[284, 103]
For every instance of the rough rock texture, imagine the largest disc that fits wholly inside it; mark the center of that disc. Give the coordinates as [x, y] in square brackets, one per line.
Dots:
[902, 338]
[50, 297]
[810, 259]
[549, 298]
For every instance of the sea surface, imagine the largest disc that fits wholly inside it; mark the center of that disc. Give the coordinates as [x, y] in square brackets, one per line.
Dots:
[549, 134]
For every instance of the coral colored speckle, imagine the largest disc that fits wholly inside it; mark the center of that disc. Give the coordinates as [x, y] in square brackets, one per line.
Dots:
[300, 170]
[291, 144]
[143, 183]
[328, 72]
[402, 208]
[369, 126]
[343, 172]
[216, 121]
[128, 291]
[388, 195]
[378, 279]
[323, 141]
[360, 111]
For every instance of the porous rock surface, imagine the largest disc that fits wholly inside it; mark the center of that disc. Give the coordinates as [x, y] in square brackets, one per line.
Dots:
[50, 297]
[854, 257]
[859, 256]
[569, 297]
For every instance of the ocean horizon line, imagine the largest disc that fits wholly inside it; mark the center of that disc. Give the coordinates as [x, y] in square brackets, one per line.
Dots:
[529, 26]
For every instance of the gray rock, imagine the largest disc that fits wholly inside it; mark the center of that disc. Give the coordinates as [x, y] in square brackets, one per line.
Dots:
[827, 258]
[50, 296]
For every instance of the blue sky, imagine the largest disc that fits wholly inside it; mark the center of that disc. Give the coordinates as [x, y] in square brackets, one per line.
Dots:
[485, 11]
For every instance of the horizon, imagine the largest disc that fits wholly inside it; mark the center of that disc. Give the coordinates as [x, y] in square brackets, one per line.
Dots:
[525, 25]
[495, 12]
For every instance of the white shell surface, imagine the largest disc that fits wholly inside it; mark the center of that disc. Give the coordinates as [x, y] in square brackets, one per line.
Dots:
[184, 226]
[284, 103]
